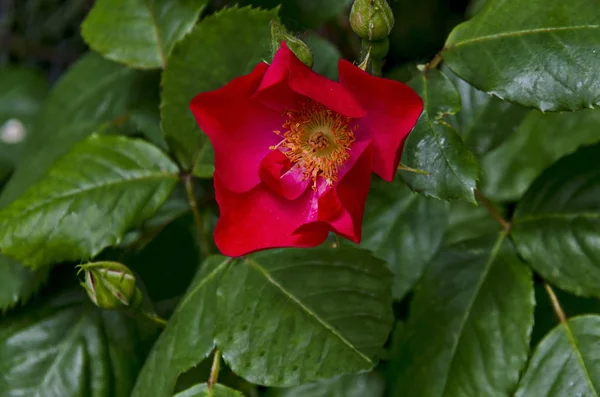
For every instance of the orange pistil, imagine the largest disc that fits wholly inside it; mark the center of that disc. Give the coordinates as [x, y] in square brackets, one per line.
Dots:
[318, 140]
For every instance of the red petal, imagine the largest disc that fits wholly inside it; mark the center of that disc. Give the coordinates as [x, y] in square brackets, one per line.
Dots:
[282, 177]
[240, 129]
[261, 219]
[392, 111]
[342, 208]
[288, 75]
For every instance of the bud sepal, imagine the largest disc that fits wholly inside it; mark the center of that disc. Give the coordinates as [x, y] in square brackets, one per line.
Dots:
[280, 34]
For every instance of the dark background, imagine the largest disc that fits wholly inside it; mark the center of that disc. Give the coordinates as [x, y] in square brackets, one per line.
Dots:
[44, 34]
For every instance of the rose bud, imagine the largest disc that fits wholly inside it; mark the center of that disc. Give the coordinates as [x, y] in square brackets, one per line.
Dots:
[111, 285]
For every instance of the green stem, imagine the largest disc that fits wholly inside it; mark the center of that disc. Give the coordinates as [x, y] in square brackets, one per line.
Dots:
[555, 304]
[214, 371]
[493, 212]
[434, 63]
[161, 322]
[198, 221]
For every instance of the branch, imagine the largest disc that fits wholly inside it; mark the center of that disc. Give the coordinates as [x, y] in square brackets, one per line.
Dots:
[198, 221]
[555, 303]
[492, 210]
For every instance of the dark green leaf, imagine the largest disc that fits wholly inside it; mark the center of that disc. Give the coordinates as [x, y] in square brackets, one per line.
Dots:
[435, 147]
[474, 7]
[18, 283]
[221, 47]
[545, 314]
[153, 263]
[363, 385]
[188, 337]
[201, 390]
[404, 229]
[403, 73]
[539, 141]
[539, 53]
[484, 121]
[88, 200]
[557, 223]
[468, 221]
[293, 316]
[139, 33]
[21, 94]
[469, 325]
[566, 362]
[326, 56]
[93, 91]
[68, 348]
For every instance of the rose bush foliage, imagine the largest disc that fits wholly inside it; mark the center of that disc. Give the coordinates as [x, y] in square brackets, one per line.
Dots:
[301, 198]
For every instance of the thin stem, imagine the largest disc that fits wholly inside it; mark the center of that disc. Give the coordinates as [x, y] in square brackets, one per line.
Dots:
[434, 63]
[337, 241]
[214, 371]
[555, 303]
[161, 322]
[492, 210]
[201, 230]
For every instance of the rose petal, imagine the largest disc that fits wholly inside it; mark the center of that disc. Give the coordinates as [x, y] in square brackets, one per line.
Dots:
[260, 219]
[282, 177]
[341, 209]
[287, 70]
[239, 128]
[392, 111]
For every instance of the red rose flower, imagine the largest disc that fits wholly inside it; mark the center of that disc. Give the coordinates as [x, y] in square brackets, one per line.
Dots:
[294, 151]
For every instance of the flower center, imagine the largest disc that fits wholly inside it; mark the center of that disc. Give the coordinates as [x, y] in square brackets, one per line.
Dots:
[318, 140]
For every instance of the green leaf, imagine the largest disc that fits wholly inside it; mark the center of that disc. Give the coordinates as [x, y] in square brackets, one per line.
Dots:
[369, 384]
[65, 347]
[435, 147]
[484, 121]
[469, 325]
[566, 362]
[326, 56]
[92, 92]
[474, 7]
[293, 316]
[139, 33]
[201, 390]
[21, 94]
[557, 223]
[221, 47]
[188, 337]
[18, 283]
[468, 221]
[539, 53]
[88, 200]
[545, 315]
[404, 229]
[539, 141]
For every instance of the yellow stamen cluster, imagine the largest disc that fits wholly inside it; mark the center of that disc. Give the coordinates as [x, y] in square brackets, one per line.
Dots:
[318, 140]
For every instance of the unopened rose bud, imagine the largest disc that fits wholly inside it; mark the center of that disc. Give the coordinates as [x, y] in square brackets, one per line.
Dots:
[279, 33]
[371, 19]
[111, 285]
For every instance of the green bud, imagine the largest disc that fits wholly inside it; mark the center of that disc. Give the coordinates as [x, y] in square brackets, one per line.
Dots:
[371, 19]
[279, 33]
[111, 285]
[378, 49]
